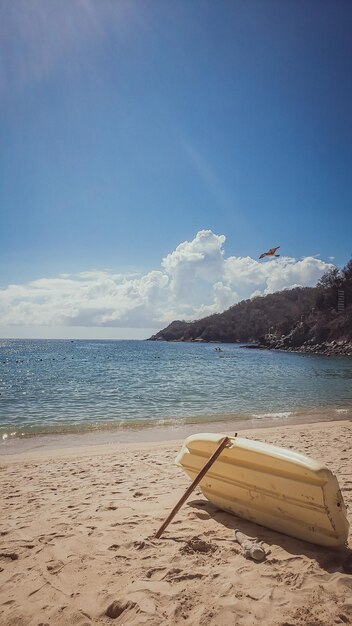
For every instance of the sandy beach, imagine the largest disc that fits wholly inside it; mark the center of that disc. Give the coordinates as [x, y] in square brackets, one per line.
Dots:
[77, 546]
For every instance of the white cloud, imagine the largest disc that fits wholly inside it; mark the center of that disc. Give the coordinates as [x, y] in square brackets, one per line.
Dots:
[195, 280]
[195, 262]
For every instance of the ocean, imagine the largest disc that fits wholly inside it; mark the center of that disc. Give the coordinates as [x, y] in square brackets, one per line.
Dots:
[52, 387]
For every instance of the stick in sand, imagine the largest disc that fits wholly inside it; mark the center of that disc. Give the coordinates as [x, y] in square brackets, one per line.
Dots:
[197, 480]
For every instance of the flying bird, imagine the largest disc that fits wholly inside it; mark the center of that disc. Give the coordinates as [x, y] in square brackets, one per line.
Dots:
[270, 252]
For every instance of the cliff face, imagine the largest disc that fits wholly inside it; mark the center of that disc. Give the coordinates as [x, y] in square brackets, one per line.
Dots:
[312, 336]
[311, 319]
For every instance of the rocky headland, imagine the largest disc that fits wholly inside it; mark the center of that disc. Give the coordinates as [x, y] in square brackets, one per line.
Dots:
[310, 319]
[290, 343]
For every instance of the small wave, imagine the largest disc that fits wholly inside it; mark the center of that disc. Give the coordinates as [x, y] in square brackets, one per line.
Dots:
[279, 414]
[173, 422]
[5, 436]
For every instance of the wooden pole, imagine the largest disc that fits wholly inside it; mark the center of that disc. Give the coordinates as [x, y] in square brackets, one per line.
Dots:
[224, 442]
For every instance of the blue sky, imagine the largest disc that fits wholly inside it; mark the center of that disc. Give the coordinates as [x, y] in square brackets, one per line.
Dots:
[127, 128]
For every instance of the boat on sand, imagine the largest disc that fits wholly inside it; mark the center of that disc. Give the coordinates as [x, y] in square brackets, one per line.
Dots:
[271, 486]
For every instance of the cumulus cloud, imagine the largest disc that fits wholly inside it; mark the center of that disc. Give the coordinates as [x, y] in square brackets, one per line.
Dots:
[200, 259]
[194, 280]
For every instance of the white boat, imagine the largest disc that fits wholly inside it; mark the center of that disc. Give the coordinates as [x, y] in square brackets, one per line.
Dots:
[271, 486]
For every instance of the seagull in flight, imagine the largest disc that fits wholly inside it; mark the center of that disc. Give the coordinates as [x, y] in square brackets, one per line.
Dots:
[270, 252]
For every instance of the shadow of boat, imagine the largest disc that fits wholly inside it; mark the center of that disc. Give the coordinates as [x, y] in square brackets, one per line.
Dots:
[330, 560]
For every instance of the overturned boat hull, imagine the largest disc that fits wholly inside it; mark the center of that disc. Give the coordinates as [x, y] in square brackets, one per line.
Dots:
[271, 486]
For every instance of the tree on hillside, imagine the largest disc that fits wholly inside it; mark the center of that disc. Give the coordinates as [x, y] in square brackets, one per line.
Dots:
[292, 316]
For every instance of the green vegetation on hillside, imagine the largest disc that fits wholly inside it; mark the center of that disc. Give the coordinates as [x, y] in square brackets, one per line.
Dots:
[299, 318]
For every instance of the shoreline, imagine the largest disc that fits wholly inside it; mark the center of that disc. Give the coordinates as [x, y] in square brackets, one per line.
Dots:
[324, 348]
[14, 448]
[327, 349]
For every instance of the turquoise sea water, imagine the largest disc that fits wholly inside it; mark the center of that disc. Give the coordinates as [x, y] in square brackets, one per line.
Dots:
[69, 386]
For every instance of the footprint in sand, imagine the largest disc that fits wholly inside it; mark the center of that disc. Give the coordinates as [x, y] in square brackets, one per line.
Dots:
[116, 608]
[55, 567]
[176, 574]
[155, 573]
[12, 556]
[197, 545]
[200, 515]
